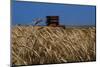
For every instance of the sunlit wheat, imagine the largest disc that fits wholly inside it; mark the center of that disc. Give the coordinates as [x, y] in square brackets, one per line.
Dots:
[45, 45]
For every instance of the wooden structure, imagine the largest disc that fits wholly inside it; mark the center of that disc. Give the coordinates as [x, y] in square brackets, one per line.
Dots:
[52, 21]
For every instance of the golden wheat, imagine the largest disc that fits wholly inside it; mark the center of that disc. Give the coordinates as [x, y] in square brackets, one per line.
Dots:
[46, 45]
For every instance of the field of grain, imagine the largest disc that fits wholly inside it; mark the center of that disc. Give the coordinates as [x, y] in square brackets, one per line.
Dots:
[47, 45]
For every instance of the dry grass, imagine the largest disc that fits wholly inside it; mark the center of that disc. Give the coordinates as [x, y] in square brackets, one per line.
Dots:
[38, 45]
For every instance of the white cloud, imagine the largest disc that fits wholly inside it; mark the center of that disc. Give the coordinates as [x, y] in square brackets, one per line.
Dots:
[82, 2]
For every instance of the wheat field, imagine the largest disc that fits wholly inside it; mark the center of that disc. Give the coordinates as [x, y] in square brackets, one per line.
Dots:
[47, 45]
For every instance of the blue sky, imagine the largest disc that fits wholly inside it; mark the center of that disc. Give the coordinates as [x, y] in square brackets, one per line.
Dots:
[25, 12]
